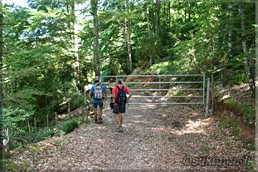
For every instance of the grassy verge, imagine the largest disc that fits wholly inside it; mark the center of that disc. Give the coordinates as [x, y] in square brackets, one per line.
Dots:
[246, 111]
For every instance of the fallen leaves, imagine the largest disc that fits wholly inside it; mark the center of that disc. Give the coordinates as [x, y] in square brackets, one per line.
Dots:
[154, 138]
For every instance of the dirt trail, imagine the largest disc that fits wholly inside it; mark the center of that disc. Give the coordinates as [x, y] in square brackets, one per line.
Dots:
[154, 138]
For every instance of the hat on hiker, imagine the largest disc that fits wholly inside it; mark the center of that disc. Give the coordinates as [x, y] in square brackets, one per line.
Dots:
[119, 82]
[96, 80]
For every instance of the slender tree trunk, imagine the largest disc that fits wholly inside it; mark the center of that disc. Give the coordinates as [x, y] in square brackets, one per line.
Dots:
[148, 18]
[244, 46]
[157, 16]
[229, 26]
[185, 10]
[128, 37]
[74, 37]
[94, 7]
[189, 11]
[168, 13]
[1, 75]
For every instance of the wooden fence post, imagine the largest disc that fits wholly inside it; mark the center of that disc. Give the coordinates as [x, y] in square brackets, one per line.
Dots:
[56, 119]
[47, 121]
[28, 122]
[69, 108]
[35, 124]
[212, 94]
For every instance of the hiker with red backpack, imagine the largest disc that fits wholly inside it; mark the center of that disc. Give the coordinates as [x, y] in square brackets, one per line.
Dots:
[119, 92]
[97, 94]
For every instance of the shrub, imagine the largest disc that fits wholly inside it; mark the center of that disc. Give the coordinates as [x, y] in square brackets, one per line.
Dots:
[44, 134]
[69, 126]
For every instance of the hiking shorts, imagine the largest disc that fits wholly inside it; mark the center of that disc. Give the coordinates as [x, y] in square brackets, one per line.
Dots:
[118, 109]
[96, 105]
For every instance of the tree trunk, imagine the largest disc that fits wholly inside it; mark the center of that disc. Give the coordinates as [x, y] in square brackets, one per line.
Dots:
[229, 26]
[148, 18]
[185, 10]
[157, 16]
[128, 37]
[244, 46]
[168, 13]
[1, 78]
[74, 37]
[96, 58]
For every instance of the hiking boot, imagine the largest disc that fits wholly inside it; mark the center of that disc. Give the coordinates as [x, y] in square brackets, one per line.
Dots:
[119, 129]
[100, 120]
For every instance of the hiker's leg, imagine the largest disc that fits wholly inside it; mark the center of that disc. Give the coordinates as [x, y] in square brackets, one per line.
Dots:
[95, 111]
[121, 111]
[120, 119]
[100, 110]
[117, 119]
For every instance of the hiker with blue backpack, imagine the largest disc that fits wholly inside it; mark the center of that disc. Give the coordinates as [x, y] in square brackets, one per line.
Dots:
[97, 94]
[119, 92]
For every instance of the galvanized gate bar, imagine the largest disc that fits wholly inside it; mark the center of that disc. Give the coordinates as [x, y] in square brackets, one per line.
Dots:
[114, 76]
[188, 89]
[204, 96]
[164, 96]
[165, 103]
[179, 82]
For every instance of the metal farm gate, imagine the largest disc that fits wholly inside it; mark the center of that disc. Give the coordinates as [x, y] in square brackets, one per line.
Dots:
[195, 88]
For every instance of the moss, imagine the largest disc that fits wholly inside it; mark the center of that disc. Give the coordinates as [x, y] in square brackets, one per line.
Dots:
[230, 123]
[9, 165]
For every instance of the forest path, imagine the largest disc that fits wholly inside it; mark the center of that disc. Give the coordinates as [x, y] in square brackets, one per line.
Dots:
[155, 138]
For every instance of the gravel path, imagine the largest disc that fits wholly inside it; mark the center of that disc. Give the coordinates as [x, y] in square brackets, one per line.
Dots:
[169, 138]
[154, 138]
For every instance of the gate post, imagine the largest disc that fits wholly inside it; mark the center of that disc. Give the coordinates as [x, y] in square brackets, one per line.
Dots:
[203, 92]
[207, 97]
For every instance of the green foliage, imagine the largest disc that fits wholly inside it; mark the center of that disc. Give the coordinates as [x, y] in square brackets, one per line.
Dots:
[44, 134]
[69, 126]
[169, 67]
[245, 110]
